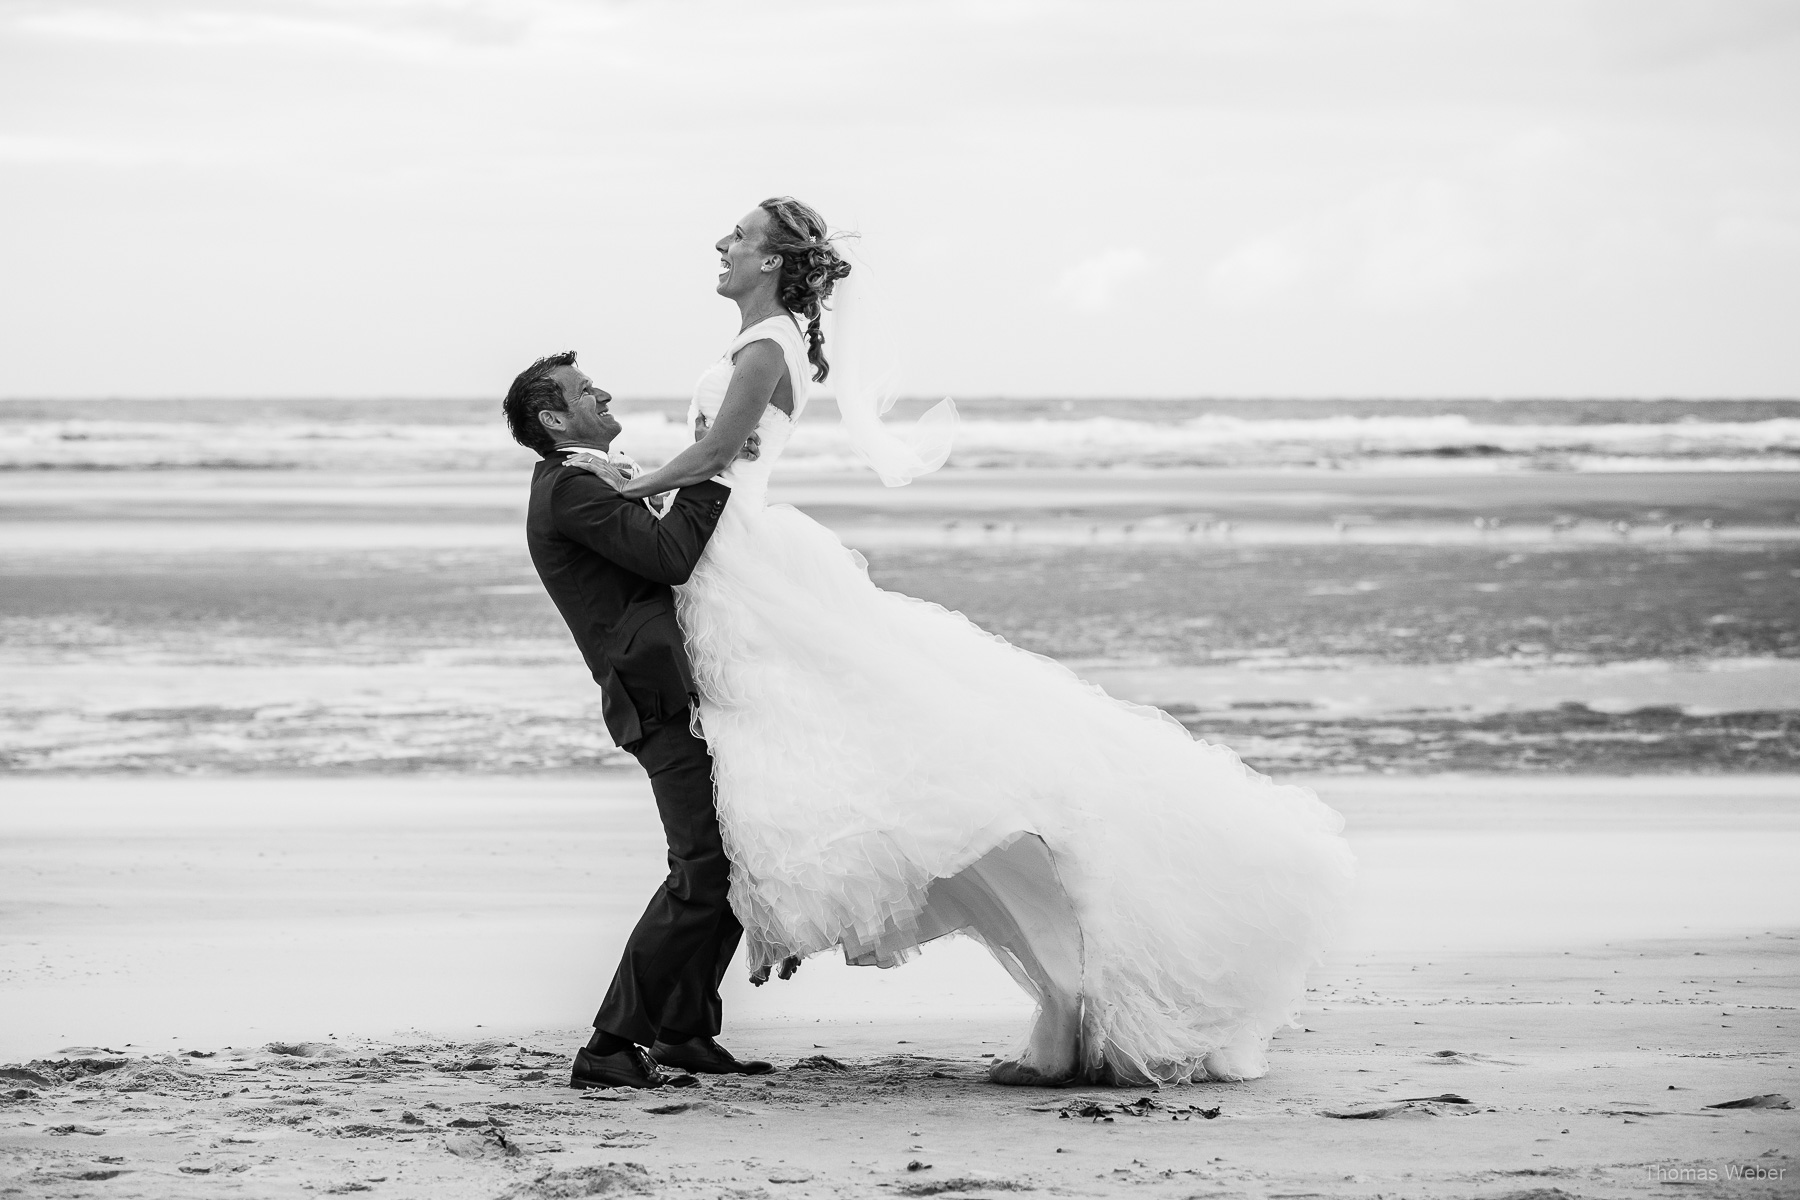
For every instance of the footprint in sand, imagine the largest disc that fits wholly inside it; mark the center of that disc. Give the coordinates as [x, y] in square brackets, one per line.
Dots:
[1448, 1104]
[1451, 1058]
[1768, 1100]
[708, 1107]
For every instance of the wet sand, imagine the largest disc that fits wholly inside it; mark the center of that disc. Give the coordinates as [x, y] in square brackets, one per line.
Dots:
[1427, 500]
[238, 633]
[1605, 957]
[296, 760]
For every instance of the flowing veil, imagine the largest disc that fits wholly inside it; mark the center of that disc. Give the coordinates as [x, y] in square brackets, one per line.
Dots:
[863, 376]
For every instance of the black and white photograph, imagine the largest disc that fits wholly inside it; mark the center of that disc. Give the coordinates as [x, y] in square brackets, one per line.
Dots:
[900, 598]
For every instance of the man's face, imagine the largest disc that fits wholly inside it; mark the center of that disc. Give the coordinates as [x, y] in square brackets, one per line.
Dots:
[589, 420]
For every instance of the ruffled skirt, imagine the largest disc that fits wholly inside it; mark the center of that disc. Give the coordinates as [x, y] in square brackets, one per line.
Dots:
[868, 744]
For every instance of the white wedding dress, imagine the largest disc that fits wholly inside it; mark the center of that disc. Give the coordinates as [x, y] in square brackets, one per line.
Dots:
[888, 773]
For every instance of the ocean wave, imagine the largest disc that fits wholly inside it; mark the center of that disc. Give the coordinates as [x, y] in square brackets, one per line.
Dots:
[1216, 440]
[1211, 440]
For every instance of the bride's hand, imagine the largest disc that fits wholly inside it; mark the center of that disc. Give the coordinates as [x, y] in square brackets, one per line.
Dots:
[789, 965]
[608, 473]
[752, 448]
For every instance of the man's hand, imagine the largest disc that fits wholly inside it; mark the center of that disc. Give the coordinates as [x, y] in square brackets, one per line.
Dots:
[611, 474]
[749, 452]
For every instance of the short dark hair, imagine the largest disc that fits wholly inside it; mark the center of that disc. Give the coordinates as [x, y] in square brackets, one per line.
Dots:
[534, 392]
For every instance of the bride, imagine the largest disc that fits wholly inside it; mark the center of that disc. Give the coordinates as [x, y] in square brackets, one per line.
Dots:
[888, 773]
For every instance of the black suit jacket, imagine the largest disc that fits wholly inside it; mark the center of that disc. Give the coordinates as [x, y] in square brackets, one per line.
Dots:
[609, 566]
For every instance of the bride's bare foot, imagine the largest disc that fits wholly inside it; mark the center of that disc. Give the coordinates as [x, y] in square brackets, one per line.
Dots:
[1013, 1073]
[1052, 1052]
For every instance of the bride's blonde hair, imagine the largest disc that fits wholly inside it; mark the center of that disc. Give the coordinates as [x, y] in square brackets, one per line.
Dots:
[810, 267]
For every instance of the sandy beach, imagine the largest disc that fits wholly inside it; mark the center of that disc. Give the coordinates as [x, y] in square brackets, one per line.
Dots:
[318, 857]
[284, 985]
[1181, 402]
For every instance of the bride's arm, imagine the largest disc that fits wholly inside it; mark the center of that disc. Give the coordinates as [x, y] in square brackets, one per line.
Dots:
[758, 369]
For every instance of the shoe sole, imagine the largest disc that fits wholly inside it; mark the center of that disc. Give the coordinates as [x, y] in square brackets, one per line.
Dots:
[678, 1081]
[740, 1069]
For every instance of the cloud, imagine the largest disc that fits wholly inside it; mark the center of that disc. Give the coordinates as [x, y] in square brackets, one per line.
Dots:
[1258, 270]
[1423, 242]
[34, 150]
[1672, 33]
[394, 26]
[1419, 240]
[1092, 285]
[1400, 244]
[1340, 175]
[1747, 234]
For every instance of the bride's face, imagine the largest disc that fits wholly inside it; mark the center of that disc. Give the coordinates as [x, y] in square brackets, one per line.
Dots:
[745, 265]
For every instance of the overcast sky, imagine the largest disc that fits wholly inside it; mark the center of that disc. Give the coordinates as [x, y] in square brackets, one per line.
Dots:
[1122, 197]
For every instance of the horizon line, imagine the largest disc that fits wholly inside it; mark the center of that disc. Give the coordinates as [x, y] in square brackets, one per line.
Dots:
[1463, 398]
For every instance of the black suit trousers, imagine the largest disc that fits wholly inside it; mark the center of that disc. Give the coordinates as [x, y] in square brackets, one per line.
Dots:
[675, 958]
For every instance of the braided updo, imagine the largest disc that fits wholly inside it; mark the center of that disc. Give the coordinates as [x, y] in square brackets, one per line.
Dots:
[810, 267]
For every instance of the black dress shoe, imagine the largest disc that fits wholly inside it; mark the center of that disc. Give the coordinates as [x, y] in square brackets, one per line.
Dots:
[704, 1056]
[630, 1067]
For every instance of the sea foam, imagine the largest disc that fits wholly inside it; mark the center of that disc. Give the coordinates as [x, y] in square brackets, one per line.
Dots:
[356, 443]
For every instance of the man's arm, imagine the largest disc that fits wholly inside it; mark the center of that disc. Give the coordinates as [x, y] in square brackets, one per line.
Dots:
[590, 512]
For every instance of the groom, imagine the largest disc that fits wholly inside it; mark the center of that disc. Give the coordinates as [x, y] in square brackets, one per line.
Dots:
[608, 564]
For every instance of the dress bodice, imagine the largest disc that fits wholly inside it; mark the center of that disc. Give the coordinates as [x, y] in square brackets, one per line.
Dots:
[750, 478]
